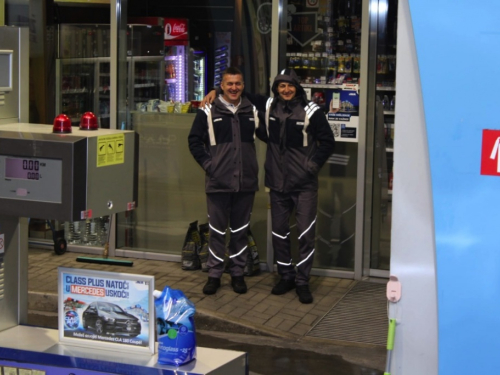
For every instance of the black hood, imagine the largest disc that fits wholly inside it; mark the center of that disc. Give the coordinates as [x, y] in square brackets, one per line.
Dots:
[289, 75]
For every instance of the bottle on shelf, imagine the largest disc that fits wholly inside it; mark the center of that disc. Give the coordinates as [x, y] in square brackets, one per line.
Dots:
[392, 104]
[385, 102]
[391, 177]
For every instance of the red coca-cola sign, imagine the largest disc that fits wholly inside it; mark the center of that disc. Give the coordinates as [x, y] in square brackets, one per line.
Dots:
[176, 29]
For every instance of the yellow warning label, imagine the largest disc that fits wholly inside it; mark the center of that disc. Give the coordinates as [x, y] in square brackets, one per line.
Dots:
[110, 149]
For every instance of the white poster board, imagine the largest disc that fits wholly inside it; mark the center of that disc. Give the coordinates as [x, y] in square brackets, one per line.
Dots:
[345, 126]
[106, 309]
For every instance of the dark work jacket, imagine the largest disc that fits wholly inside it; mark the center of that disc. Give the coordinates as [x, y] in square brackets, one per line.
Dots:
[293, 157]
[227, 154]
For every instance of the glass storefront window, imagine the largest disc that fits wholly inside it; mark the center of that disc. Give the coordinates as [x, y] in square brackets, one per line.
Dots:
[320, 39]
[172, 188]
[171, 184]
[323, 46]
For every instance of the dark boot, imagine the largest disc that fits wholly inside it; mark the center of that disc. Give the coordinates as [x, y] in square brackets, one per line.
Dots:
[211, 286]
[238, 284]
[283, 286]
[304, 294]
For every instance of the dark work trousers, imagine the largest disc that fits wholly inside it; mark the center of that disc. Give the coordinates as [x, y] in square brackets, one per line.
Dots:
[233, 209]
[282, 205]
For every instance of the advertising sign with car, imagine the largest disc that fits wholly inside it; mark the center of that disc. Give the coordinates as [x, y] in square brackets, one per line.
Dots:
[108, 309]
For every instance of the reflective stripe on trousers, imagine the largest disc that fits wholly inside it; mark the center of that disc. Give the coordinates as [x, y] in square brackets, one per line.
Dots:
[234, 210]
[282, 205]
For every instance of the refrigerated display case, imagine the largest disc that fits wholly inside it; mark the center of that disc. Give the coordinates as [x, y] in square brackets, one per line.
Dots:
[83, 84]
[145, 57]
[83, 79]
[185, 67]
[177, 64]
[147, 89]
[82, 72]
[176, 73]
[83, 41]
[76, 93]
[199, 74]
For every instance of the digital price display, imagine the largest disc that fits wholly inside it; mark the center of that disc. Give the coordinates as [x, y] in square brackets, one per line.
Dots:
[28, 178]
[24, 169]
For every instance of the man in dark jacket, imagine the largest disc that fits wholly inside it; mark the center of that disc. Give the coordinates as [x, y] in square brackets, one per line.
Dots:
[222, 142]
[299, 141]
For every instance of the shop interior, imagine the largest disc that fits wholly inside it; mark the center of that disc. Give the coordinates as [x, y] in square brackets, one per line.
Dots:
[173, 54]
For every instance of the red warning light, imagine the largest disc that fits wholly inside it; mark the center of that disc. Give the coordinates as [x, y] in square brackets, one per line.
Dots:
[62, 124]
[88, 121]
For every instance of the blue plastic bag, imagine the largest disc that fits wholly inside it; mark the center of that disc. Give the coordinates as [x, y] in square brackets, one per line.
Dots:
[175, 327]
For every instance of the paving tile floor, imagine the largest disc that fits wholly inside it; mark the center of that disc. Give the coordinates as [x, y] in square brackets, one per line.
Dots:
[258, 309]
[254, 319]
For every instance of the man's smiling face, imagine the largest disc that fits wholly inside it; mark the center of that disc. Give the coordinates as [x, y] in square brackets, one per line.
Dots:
[232, 86]
[286, 90]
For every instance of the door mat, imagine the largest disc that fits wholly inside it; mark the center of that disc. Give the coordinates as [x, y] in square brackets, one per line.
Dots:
[360, 316]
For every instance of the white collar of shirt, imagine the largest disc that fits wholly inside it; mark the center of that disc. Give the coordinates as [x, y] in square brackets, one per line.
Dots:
[233, 108]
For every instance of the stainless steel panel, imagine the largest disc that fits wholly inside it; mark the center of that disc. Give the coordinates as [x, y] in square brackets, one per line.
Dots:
[87, 190]
[14, 104]
[111, 188]
[13, 304]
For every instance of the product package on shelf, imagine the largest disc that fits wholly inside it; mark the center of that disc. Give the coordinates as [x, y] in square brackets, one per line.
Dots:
[174, 327]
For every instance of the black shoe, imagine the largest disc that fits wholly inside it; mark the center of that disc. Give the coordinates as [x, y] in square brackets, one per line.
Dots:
[304, 294]
[283, 286]
[211, 286]
[238, 284]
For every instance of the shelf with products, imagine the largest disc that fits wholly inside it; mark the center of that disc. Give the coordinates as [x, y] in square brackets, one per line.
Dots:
[83, 85]
[325, 69]
[386, 88]
[329, 53]
[83, 90]
[80, 88]
[389, 105]
[144, 85]
[389, 136]
[346, 86]
[147, 73]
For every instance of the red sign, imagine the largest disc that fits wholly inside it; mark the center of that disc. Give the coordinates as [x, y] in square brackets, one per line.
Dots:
[176, 29]
[490, 153]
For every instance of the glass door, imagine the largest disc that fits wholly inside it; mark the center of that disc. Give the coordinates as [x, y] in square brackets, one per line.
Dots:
[384, 130]
[323, 46]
